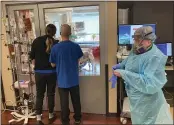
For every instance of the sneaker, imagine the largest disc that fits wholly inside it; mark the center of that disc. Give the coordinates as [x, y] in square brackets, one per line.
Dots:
[77, 122]
[51, 120]
[40, 123]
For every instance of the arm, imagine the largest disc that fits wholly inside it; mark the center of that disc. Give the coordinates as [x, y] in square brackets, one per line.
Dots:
[123, 63]
[151, 80]
[120, 65]
[33, 61]
[79, 61]
[53, 65]
[79, 52]
[53, 58]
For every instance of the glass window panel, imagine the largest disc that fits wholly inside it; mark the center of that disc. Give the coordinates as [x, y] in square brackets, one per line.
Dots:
[85, 31]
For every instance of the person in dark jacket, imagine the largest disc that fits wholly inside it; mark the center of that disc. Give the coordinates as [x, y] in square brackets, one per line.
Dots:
[45, 74]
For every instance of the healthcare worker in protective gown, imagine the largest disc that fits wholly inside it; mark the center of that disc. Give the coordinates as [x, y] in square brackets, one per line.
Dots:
[144, 75]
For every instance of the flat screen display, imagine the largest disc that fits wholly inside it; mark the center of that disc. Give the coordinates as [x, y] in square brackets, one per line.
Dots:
[165, 48]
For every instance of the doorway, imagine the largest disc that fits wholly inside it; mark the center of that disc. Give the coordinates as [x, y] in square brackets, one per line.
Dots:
[87, 22]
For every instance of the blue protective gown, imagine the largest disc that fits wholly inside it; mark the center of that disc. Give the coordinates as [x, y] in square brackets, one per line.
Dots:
[144, 77]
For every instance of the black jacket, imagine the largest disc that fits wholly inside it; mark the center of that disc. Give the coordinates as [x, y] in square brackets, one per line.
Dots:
[39, 54]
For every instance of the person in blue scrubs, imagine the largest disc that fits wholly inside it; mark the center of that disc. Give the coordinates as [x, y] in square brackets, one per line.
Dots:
[65, 56]
[144, 75]
[45, 74]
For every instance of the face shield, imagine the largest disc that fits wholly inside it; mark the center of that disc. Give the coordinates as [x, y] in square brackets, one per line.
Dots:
[141, 34]
[137, 39]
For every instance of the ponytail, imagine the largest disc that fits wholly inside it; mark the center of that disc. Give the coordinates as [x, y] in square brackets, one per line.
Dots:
[49, 44]
[50, 31]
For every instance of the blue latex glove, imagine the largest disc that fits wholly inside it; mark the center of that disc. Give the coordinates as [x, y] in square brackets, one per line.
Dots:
[117, 66]
[113, 80]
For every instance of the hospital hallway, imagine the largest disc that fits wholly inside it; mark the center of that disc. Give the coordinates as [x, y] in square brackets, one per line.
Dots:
[87, 119]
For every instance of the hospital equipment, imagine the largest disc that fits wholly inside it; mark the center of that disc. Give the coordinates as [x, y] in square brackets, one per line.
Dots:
[19, 48]
[166, 48]
[26, 98]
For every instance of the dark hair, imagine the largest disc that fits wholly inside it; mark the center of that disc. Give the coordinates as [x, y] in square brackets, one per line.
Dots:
[50, 31]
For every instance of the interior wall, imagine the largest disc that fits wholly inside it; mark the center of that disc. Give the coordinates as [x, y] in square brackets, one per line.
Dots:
[157, 12]
[6, 74]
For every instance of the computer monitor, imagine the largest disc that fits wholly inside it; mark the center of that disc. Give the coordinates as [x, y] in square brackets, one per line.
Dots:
[165, 48]
[125, 33]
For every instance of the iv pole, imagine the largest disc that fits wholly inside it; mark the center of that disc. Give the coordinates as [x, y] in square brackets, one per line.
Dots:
[25, 109]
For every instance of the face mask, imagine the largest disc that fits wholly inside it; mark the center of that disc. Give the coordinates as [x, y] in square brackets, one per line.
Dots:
[140, 49]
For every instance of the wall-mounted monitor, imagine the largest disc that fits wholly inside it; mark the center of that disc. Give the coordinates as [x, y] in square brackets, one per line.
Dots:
[165, 48]
[125, 33]
[79, 25]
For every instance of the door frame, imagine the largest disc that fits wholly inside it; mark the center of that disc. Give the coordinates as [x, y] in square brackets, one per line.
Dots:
[103, 59]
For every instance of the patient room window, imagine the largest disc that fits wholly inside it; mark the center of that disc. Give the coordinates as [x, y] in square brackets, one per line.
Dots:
[84, 22]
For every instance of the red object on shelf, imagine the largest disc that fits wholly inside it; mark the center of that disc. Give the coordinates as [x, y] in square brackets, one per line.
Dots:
[96, 52]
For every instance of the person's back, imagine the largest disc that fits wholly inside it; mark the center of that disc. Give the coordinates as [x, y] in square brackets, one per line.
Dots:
[45, 74]
[40, 55]
[67, 56]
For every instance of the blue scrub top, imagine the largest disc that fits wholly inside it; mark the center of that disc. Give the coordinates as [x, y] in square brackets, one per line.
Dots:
[66, 55]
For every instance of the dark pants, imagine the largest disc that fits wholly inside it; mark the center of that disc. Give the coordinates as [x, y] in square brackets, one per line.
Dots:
[64, 101]
[44, 81]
